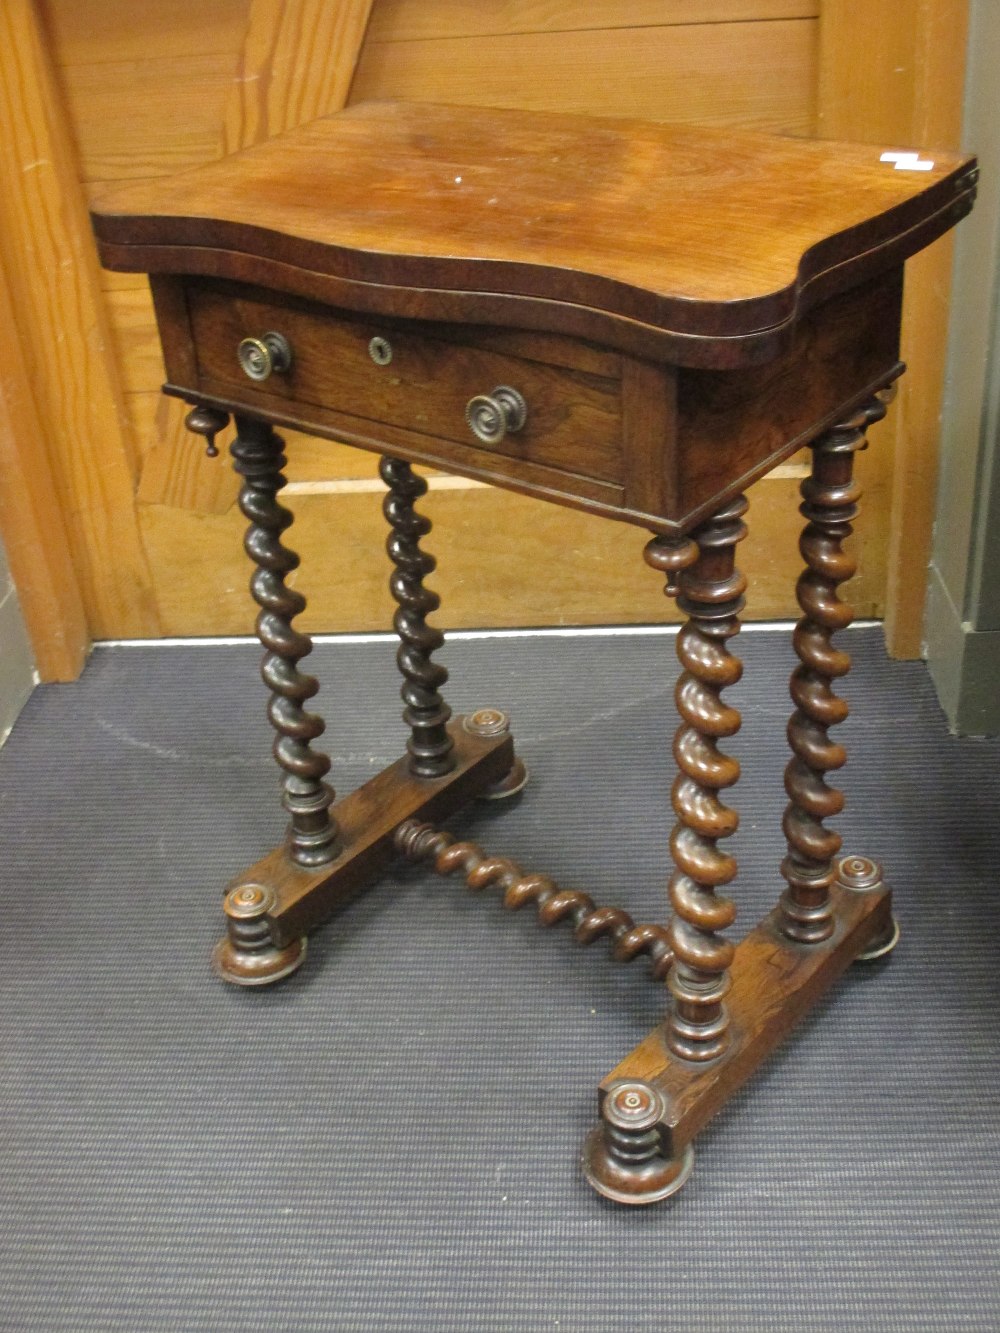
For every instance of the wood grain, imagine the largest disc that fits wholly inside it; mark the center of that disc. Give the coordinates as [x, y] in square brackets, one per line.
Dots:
[60, 320]
[368, 819]
[775, 983]
[557, 217]
[175, 106]
[737, 423]
[346, 582]
[914, 60]
[87, 32]
[574, 419]
[713, 73]
[135, 338]
[402, 20]
[175, 472]
[296, 62]
[725, 429]
[34, 531]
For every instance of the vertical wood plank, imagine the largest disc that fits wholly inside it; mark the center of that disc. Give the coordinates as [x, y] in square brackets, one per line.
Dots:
[297, 63]
[892, 72]
[34, 531]
[59, 319]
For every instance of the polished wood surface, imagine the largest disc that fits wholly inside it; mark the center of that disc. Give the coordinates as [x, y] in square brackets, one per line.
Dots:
[774, 983]
[553, 903]
[412, 208]
[710, 593]
[251, 318]
[575, 418]
[305, 896]
[655, 445]
[189, 69]
[829, 505]
[425, 711]
[259, 460]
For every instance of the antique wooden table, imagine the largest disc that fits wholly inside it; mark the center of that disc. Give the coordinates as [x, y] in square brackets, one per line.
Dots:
[637, 320]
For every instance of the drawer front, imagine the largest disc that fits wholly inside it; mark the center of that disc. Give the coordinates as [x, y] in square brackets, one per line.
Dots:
[574, 418]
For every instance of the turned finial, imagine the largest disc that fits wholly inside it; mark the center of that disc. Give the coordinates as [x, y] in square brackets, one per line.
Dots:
[207, 421]
[670, 555]
[247, 955]
[622, 1158]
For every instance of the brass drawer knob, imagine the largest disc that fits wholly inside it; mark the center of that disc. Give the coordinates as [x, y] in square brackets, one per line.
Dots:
[491, 416]
[265, 356]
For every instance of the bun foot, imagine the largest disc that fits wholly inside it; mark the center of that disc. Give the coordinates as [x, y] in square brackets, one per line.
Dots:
[621, 1157]
[246, 955]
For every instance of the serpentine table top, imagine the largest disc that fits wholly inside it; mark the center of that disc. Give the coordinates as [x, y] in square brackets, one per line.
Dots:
[696, 245]
[632, 318]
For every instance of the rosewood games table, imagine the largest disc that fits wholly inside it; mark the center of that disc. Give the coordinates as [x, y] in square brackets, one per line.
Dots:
[633, 319]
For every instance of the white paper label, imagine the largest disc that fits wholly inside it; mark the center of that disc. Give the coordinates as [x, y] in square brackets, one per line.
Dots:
[907, 161]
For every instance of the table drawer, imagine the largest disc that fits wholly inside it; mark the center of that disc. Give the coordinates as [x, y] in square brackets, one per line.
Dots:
[574, 416]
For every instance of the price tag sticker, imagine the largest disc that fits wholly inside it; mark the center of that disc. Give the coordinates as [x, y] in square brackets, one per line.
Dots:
[903, 161]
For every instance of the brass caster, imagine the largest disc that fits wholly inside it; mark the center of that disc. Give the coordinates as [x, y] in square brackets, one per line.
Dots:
[494, 722]
[246, 954]
[861, 875]
[621, 1157]
[883, 946]
[515, 781]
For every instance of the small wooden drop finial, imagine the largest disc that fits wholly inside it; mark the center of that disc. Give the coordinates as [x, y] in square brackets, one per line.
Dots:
[207, 421]
[670, 555]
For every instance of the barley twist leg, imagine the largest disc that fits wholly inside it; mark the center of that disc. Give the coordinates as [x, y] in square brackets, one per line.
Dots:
[258, 458]
[829, 506]
[425, 712]
[711, 593]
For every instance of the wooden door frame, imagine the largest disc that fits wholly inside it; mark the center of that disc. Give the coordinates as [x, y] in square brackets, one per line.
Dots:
[891, 71]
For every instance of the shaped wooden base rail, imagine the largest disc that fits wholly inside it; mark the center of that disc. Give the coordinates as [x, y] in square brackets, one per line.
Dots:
[654, 1103]
[419, 841]
[271, 906]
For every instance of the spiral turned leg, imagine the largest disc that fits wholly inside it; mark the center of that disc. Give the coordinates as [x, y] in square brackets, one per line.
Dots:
[418, 841]
[258, 458]
[426, 713]
[829, 505]
[711, 593]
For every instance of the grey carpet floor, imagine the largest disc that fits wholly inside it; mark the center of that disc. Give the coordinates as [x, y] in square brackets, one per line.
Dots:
[389, 1140]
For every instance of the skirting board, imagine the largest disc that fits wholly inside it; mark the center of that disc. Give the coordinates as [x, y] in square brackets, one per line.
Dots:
[964, 665]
